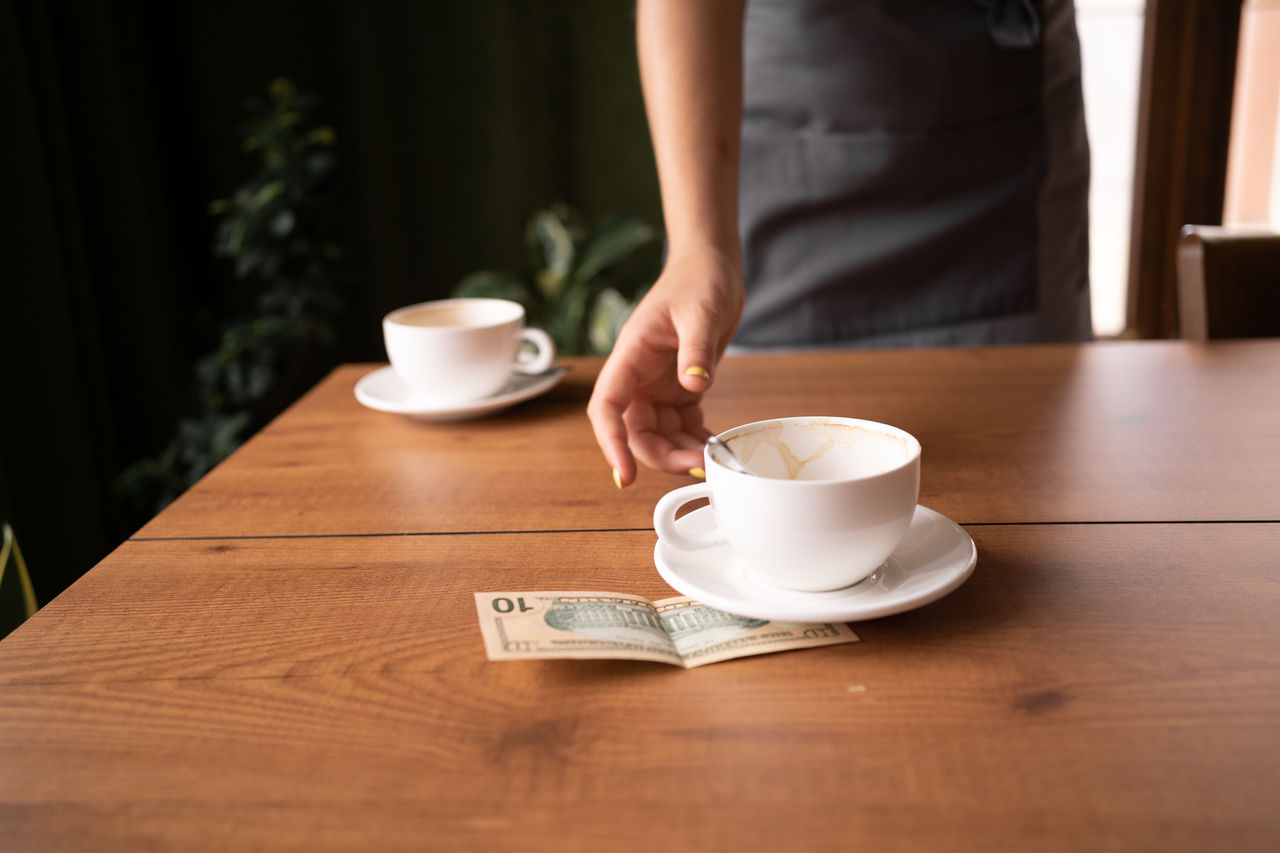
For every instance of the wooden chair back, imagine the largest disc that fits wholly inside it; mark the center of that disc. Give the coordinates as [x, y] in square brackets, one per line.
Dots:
[1228, 283]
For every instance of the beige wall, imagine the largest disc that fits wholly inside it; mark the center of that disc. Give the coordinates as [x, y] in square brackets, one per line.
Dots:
[1253, 171]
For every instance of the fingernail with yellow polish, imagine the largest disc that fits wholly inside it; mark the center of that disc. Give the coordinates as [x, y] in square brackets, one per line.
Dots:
[697, 371]
[698, 472]
[617, 478]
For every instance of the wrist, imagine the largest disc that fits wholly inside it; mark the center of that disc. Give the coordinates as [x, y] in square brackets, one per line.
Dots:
[724, 251]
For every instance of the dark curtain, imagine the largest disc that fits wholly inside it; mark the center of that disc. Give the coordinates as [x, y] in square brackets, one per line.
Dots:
[1185, 97]
[455, 121]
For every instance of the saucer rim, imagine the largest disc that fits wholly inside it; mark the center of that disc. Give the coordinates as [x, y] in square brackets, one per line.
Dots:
[865, 607]
[543, 382]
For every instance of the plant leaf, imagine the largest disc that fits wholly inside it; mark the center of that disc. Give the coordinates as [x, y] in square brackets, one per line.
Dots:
[555, 251]
[268, 192]
[571, 313]
[282, 223]
[282, 90]
[610, 311]
[610, 244]
[487, 284]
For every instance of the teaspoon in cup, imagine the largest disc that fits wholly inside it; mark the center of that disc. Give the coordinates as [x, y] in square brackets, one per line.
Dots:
[722, 454]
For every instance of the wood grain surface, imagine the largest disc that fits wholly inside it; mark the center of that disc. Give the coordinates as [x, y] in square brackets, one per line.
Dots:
[1152, 431]
[288, 658]
[1100, 687]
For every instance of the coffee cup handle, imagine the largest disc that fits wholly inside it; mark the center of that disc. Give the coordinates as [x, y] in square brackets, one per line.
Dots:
[546, 354]
[664, 519]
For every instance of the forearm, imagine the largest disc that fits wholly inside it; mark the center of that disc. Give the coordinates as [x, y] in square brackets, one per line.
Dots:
[690, 54]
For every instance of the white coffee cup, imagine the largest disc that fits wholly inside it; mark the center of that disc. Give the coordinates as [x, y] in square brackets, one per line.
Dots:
[460, 350]
[828, 501]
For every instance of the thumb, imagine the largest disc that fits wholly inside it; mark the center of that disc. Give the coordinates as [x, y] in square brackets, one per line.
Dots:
[696, 358]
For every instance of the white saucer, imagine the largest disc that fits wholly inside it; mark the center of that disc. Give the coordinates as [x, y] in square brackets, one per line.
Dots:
[383, 390]
[936, 557]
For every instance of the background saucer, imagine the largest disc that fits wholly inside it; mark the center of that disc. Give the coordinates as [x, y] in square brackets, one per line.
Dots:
[935, 558]
[383, 390]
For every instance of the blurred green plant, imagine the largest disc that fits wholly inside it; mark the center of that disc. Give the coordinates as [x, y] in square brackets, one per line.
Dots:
[582, 280]
[282, 231]
[17, 597]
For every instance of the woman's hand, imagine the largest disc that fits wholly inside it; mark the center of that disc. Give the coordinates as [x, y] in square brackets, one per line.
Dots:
[646, 402]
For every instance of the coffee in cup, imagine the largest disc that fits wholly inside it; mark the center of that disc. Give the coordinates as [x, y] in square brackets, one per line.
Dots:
[454, 351]
[827, 501]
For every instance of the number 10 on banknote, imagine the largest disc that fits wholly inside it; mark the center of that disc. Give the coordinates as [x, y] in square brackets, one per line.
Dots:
[677, 631]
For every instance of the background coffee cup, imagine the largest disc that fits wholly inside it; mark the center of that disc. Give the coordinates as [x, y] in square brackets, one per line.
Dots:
[827, 503]
[459, 350]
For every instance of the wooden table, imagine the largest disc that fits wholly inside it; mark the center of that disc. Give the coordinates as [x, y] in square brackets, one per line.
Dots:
[289, 658]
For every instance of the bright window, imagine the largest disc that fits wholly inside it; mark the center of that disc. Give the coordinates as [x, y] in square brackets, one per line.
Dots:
[1111, 54]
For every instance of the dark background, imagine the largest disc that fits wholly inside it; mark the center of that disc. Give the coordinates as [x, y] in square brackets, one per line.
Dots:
[455, 121]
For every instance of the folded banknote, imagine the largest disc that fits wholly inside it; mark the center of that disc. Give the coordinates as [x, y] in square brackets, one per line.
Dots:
[677, 631]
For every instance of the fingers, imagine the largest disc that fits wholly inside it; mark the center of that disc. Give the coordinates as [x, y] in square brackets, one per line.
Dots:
[660, 439]
[691, 423]
[645, 403]
[660, 453]
[613, 393]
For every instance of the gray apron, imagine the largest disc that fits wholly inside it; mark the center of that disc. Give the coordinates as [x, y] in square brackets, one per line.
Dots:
[913, 172]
